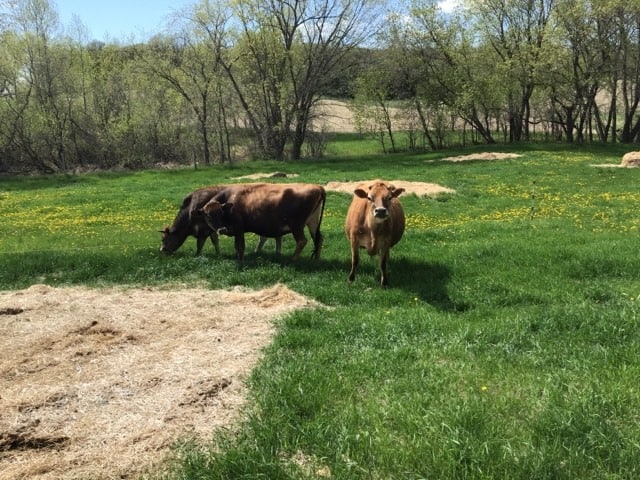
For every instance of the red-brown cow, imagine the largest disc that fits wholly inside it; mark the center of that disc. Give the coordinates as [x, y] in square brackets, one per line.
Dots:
[375, 221]
[270, 210]
[191, 221]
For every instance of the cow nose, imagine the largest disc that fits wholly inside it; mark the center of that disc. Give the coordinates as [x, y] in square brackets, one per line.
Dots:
[222, 231]
[380, 212]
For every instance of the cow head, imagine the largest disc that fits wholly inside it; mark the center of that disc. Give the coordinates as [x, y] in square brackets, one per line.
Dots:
[214, 214]
[170, 241]
[379, 195]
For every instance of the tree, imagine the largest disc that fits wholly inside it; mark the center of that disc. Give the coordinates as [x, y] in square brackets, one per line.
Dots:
[45, 90]
[286, 55]
[627, 57]
[372, 102]
[575, 67]
[189, 61]
[515, 30]
[450, 52]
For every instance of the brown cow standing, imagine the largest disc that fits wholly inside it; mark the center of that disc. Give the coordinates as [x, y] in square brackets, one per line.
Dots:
[375, 221]
[270, 210]
[191, 221]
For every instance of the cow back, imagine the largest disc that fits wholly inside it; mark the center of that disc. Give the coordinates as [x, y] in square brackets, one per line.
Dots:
[270, 209]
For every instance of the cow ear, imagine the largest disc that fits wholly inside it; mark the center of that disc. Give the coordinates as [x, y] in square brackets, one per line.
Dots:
[397, 191]
[208, 206]
[360, 193]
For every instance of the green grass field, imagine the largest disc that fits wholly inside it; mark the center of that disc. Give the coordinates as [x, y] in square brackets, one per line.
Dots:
[507, 345]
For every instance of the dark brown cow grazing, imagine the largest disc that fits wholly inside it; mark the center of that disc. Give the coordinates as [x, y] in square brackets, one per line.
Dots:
[191, 221]
[270, 210]
[375, 221]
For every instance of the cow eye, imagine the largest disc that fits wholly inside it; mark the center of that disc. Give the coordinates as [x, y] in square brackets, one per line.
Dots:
[370, 198]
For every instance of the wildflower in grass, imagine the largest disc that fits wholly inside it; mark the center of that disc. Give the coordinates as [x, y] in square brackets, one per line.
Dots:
[484, 388]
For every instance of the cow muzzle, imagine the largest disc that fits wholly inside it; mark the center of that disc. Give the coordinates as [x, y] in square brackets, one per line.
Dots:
[380, 212]
[223, 231]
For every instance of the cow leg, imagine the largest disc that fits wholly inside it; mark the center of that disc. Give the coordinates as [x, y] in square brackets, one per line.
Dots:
[313, 224]
[261, 243]
[355, 259]
[239, 244]
[263, 240]
[301, 241]
[215, 240]
[200, 239]
[384, 255]
[317, 238]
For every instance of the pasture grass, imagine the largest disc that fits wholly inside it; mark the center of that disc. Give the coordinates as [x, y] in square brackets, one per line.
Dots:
[506, 346]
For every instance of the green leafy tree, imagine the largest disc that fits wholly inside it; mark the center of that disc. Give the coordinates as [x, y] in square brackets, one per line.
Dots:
[575, 67]
[188, 61]
[45, 91]
[515, 30]
[626, 57]
[457, 66]
[285, 56]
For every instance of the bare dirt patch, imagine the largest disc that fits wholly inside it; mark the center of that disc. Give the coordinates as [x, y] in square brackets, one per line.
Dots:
[417, 188]
[100, 383]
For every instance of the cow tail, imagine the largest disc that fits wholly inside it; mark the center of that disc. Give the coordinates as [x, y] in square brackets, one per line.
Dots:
[317, 241]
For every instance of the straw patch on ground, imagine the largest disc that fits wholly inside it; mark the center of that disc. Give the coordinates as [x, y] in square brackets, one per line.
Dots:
[261, 175]
[418, 188]
[482, 156]
[98, 383]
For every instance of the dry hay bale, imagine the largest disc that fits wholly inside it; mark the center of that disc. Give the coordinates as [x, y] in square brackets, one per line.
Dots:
[99, 383]
[631, 160]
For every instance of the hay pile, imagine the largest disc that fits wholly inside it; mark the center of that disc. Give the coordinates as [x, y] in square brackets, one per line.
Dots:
[417, 188]
[482, 156]
[100, 383]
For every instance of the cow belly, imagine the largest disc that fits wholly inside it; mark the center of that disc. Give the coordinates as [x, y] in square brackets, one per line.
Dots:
[365, 240]
[274, 230]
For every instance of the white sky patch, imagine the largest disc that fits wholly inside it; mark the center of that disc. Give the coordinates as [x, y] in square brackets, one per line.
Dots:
[449, 5]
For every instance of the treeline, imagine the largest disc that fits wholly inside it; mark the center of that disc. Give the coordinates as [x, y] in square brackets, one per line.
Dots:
[242, 79]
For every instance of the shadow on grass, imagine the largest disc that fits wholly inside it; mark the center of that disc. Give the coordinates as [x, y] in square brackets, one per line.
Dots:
[427, 281]
[327, 277]
[324, 279]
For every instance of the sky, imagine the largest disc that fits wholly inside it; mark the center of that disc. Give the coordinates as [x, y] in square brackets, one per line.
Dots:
[136, 20]
[119, 19]
[449, 5]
